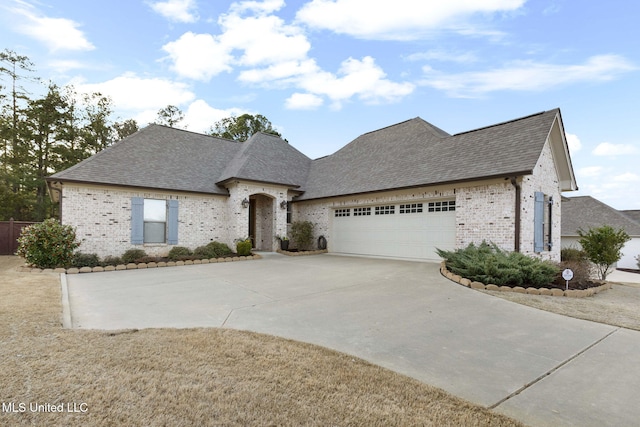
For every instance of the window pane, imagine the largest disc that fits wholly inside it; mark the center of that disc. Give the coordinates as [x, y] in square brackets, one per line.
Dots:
[154, 232]
[155, 210]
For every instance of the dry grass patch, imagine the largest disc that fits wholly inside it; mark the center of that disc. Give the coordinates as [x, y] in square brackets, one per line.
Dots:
[617, 306]
[177, 377]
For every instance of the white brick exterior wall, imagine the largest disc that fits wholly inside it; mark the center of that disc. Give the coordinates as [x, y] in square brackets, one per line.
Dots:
[102, 217]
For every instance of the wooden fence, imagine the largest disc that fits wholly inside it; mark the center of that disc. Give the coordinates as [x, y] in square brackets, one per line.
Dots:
[9, 233]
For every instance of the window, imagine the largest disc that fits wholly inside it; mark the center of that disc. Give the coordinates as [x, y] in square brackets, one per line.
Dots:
[385, 210]
[342, 212]
[411, 208]
[361, 211]
[446, 206]
[289, 213]
[154, 221]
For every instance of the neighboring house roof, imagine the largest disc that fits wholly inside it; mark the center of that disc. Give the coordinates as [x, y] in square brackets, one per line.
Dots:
[416, 153]
[409, 154]
[585, 212]
[633, 214]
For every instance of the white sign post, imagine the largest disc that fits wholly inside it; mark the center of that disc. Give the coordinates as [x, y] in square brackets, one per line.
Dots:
[567, 275]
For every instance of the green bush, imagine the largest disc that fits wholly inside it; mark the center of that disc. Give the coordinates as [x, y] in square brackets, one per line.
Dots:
[220, 249]
[302, 234]
[204, 252]
[243, 247]
[111, 260]
[572, 254]
[85, 260]
[603, 246]
[132, 255]
[489, 264]
[48, 244]
[179, 251]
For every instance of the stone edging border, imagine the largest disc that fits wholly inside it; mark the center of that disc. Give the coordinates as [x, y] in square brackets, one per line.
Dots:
[302, 253]
[133, 266]
[573, 293]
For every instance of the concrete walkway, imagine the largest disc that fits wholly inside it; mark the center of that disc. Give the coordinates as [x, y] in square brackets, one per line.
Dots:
[538, 367]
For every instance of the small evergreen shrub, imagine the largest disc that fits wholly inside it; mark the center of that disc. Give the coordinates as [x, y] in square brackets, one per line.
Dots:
[48, 244]
[302, 234]
[179, 251]
[85, 260]
[489, 264]
[132, 255]
[111, 260]
[219, 249]
[148, 259]
[243, 247]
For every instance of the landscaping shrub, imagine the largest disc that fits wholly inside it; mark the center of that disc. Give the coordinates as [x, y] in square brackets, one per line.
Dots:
[111, 260]
[148, 259]
[132, 255]
[85, 260]
[489, 264]
[243, 247]
[48, 244]
[220, 249]
[302, 234]
[204, 252]
[603, 246]
[572, 254]
[581, 274]
[179, 251]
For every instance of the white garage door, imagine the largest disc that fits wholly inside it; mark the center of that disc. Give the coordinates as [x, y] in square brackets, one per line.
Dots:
[412, 230]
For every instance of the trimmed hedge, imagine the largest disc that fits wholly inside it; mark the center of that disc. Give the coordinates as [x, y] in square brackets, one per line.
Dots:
[487, 263]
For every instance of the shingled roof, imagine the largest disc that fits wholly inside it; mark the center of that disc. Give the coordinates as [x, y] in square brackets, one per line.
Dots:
[633, 214]
[416, 153]
[585, 212]
[408, 154]
[172, 159]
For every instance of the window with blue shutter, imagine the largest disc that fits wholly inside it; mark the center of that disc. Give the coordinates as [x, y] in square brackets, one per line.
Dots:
[137, 220]
[538, 222]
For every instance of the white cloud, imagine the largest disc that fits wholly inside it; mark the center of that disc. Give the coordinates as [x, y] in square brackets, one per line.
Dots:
[574, 143]
[626, 177]
[198, 56]
[200, 116]
[528, 76]
[303, 101]
[176, 10]
[400, 19]
[609, 149]
[260, 7]
[590, 171]
[130, 92]
[283, 72]
[444, 56]
[55, 33]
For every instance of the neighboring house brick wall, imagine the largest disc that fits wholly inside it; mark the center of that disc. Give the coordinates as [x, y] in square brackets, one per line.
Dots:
[102, 218]
[544, 179]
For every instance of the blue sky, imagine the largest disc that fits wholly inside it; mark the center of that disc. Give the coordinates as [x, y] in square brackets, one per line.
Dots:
[326, 71]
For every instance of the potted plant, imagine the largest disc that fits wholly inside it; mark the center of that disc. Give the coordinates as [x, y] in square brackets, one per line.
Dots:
[284, 242]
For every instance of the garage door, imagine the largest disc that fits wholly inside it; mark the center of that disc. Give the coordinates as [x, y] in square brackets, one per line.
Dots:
[412, 230]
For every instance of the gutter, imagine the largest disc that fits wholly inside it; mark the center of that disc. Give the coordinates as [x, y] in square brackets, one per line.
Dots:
[518, 208]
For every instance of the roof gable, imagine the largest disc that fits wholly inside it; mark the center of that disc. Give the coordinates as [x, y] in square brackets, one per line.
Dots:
[585, 212]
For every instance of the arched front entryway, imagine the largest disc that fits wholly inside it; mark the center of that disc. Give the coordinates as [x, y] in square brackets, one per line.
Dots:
[262, 221]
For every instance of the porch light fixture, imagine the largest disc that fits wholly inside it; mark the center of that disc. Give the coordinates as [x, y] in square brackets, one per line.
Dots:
[283, 204]
[245, 203]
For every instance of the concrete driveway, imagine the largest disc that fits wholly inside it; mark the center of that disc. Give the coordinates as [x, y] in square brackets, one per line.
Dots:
[538, 367]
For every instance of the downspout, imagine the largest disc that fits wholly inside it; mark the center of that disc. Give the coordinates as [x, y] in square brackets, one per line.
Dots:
[516, 239]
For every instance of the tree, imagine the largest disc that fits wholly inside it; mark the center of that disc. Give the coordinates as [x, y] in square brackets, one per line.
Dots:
[169, 116]
[241, 128]
[125, 128]
[603, 246]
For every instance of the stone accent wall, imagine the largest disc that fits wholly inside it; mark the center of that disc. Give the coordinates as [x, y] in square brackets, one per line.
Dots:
[545, 179]
[102, 217]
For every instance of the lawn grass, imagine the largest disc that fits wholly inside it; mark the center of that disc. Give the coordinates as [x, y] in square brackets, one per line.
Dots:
[195, 377]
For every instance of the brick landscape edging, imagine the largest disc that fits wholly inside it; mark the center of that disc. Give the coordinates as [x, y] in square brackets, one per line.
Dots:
[573, 293]
[133, 266]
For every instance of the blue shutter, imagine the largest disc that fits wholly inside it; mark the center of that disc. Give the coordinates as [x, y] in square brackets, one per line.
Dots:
[137, 220]
[172, 223]
[538, 222]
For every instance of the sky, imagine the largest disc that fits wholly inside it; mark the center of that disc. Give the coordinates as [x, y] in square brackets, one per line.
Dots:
[326, 71]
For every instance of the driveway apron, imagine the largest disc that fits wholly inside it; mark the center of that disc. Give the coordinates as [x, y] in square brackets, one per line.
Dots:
[539, 367]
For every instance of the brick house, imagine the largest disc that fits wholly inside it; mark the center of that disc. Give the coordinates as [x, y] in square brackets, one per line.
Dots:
[400, 191]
